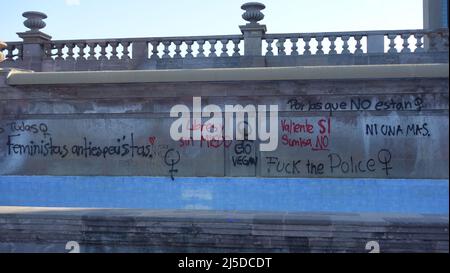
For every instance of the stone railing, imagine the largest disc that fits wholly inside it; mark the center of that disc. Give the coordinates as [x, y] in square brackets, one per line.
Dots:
[358, 43]
[154, 48]
[253, 48]
[12, 51]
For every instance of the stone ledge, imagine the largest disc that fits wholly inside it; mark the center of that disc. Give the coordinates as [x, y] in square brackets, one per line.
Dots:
[233, 74]
[25, 229]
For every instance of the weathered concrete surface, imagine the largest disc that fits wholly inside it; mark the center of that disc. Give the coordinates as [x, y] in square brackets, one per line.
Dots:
[371, 128]
[102, 230]
[353, 72]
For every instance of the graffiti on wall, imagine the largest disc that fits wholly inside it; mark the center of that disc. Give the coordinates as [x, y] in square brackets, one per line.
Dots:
[353, 137]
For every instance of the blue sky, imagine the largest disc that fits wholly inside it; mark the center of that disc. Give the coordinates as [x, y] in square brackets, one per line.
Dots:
[84, 19]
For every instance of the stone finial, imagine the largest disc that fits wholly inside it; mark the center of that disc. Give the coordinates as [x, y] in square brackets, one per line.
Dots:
[253, 12]
[35, 23]
[253, 31]
[34, 20]
[2, 46]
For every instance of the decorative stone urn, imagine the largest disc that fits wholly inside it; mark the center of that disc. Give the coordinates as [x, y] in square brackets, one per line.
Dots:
[35, 23]
[2, 46]
[34, 20]
[253, 12]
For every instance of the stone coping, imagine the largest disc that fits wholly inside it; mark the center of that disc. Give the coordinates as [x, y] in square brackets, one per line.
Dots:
[343, 72]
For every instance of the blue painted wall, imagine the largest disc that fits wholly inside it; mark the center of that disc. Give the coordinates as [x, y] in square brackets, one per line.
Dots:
[444, 9]
[319, 195]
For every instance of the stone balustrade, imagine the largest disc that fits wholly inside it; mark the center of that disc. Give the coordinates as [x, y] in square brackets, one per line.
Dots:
[154, 48]
[12, 51]
[358, 43]
[253, 48]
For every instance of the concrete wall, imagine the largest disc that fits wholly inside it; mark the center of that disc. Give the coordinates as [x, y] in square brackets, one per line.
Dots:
[380, 123]
[375, 128]
[111, 231]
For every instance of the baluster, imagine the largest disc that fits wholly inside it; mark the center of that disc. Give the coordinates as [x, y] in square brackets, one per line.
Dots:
[103, 51]
[319, 40]
[70, 53]
[307, 40]
[189, 49]
[81, 53]
[392, 48]
[432, 42]
[280, 46]
[177, 50]
[114, 46]
[440, 41]
[155, 45]
[6, 51]
[294, 47]
[405, 37]
[269, 47]
[236, 48]
[14, 55]
[92, 47]
[200, 49]
[19, 51]
[332, 40]
[224, 47]
[166, 49]
[59, 52]
[358, 46]
[48, 54]
[345, 46]
[125, 52]
[213, 48]
[419, 43]
[10, 55]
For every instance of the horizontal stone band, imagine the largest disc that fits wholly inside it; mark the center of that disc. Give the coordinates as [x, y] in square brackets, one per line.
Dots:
[17, 77]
